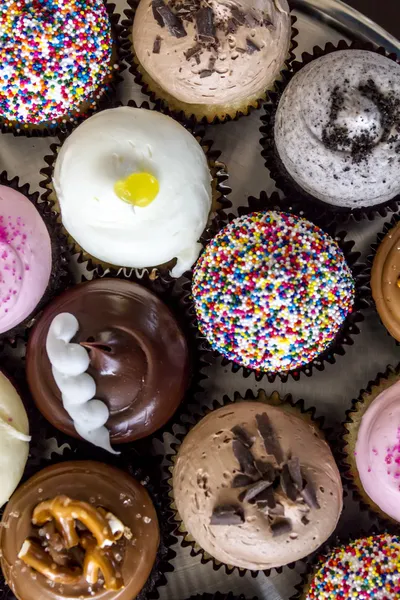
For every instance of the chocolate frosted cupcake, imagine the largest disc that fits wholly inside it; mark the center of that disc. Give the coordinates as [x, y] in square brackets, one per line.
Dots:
[255, 485]
[112, 340]
[211, 61]
[336, 130]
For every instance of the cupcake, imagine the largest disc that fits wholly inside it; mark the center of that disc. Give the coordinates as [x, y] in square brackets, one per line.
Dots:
[336, 130]
[385, 281]
[256, 486]
[366, 569]
[64, 64]
[69, 532]
[211, 60]
[25, 258]
[372, 445]
[272, 292]
[134, 190]
[96, 358]
[14, 438]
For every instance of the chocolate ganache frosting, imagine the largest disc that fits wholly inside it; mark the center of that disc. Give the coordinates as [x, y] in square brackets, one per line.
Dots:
[138, 359]
[91, 493]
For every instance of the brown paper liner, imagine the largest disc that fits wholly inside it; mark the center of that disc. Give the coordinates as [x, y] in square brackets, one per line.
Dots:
[187, 422]
[60, 276]
[196, 113]
[328, 213]
[102, 97]
[351, 426]
[350, 326]
[217, 217]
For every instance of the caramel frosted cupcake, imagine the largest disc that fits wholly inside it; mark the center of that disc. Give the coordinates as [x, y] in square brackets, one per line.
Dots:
[211, 59]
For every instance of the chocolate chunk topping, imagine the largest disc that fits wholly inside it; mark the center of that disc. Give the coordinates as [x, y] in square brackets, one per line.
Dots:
[280, 527]
[266, 498]
[192, 51]
[205, 24]
[304, 520]
[157, 45]
[251, 46]
[287, 484]
[227, 514]
[242, 481]
[205, 73]
[156, 4]
[245, 458]
[309, 496]
[243, 436]
[255, 490]
[173, 22]
[266, 470]
[295, 472]
[271, 442]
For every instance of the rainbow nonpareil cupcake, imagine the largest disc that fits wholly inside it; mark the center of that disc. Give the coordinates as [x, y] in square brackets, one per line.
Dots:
[64, 64]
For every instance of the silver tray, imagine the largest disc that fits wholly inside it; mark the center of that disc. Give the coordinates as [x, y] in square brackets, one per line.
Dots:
[331, 390]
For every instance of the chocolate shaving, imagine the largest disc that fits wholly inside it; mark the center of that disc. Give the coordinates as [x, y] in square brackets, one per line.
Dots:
[244, 457]
[287, 484]
[304, 520]
[243, 436]
[242, 481]
[309, 496]
[197, 59]
[271, 442]
[227, 514]
[241, 50]
[266, 470]
[205, 73]
[295, 472]
[173, 22]
[192, 51]
[238, 16]
[266, 498]
[251, 46]
[280, 527]
[232, 26]
[157, 45]
[205, 24]
[155, 5]
[255, 490]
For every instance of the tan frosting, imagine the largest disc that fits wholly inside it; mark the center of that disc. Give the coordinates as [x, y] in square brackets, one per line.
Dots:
[384, 282]
[236, 75]
[202, 479]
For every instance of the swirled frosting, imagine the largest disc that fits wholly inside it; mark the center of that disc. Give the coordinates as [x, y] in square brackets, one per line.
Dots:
[14, 438]
[337, 128]
[25, 258]
[69, 363]
[222, 51]
[224, 464]
[378, 451]
[109, 147]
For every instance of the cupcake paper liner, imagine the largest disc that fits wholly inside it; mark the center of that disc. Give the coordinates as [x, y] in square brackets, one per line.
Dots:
[182, 111]
[329, 213]
[217, 218]
[350, 325]
[60, 276]
[50, 446]
[347, 461]
[102, 97]
[194, 415]
[219, 596]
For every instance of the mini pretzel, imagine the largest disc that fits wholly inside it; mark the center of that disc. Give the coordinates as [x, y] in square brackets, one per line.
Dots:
[35, 556]
[65, 511]
[97, 560]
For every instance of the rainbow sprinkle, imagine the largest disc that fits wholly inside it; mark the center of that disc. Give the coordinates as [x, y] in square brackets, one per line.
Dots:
[54, 55]
[364, 569]
[271, 291]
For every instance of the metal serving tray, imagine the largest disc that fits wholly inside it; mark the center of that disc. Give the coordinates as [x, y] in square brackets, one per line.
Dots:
[331, 390]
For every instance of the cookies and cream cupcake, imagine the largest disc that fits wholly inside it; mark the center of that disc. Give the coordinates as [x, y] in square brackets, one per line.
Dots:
[336, 130]
[134, 189]
[211, 59]
[256, 486]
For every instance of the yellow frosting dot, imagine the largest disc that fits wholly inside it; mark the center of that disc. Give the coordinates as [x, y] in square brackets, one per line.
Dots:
[139, 189]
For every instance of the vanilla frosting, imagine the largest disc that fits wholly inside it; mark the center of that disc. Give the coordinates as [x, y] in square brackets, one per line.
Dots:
[25, 258]
[337, 128]
[14, 438]
[69, 364]
[110, 146]
[246, 51]
[203, 479]
[378, 451]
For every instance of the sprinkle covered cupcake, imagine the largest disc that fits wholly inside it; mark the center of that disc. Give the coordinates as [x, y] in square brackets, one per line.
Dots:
[366, 569]
[63, 64]
[272, 291]
[211, 59]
